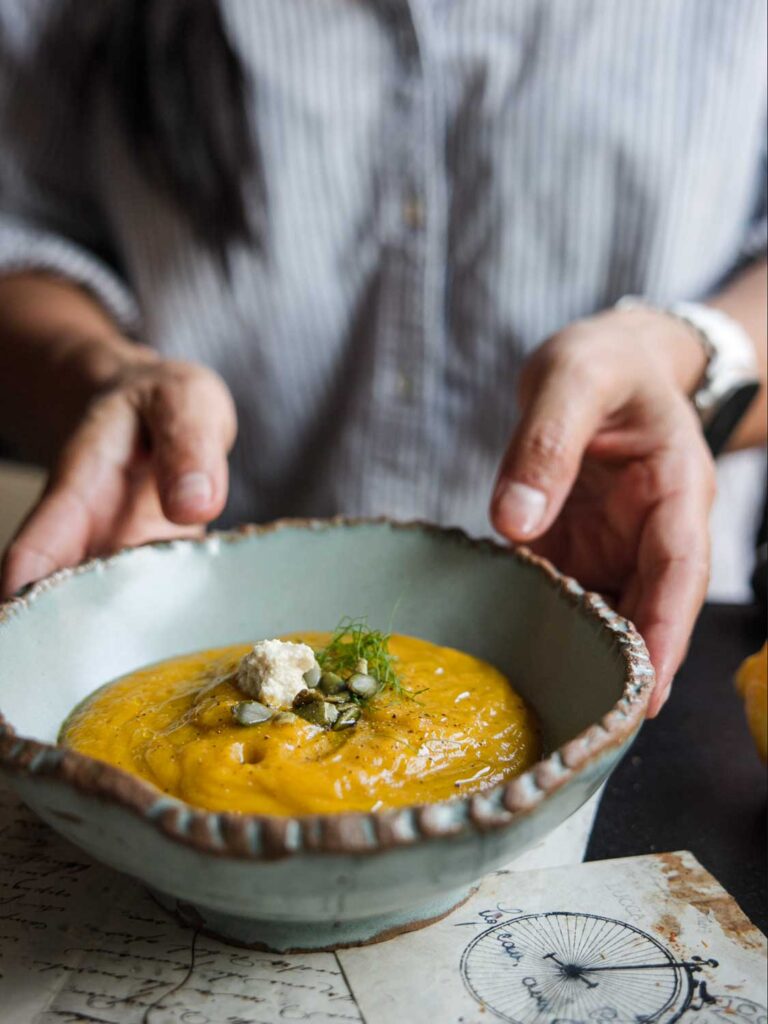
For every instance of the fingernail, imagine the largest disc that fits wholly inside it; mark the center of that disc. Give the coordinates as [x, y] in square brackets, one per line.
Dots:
[190, 491]
[521, 508]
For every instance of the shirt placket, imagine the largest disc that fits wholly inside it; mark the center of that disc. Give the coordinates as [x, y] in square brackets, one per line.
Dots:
[402, 343]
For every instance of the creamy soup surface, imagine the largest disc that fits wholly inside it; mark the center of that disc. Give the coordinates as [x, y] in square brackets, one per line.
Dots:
[172, 724]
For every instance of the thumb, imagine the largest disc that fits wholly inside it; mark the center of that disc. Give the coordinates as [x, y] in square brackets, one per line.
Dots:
[87, 483]
[562, 411]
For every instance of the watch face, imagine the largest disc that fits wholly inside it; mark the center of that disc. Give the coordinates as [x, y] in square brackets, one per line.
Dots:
[728, 414]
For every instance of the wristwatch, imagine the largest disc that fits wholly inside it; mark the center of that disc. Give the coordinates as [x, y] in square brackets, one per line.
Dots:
[730, 381]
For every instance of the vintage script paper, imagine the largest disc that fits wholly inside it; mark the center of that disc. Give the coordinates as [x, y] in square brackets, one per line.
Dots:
[80, 943]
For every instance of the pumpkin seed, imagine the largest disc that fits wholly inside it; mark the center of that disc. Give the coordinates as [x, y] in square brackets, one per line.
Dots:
[331, 683]
[284, 718]
[318, 713]
[337, 698]
[362, 666]
[312, 677]
[347, 718]
[346, 705]
[306, 697]
[362, 685]
[251, 712]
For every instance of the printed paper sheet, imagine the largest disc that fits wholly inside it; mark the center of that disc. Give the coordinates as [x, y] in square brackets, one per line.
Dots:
[645, 939]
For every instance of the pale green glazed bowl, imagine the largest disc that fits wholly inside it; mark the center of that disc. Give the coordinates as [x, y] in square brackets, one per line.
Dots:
[321, 882]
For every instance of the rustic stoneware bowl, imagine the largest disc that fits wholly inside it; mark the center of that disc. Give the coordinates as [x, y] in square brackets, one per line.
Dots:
[320, 882]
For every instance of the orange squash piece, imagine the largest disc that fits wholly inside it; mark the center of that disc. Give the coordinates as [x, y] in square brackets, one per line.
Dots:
[752, 684]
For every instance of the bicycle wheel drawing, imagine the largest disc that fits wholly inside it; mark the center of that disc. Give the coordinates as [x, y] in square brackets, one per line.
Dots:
[568, 968]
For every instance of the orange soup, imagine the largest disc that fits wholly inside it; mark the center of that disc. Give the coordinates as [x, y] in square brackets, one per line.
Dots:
[454, 725]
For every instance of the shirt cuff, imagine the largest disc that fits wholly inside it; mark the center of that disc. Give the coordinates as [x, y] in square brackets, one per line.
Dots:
[26, 248]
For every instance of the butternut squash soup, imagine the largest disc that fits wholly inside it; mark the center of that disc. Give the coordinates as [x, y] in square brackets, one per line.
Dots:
[312, 723]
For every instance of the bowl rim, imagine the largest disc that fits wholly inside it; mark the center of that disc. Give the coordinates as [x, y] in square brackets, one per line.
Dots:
[265, 837]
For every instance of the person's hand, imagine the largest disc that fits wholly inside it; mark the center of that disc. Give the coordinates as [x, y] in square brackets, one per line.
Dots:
[147, 461]
[608, 474]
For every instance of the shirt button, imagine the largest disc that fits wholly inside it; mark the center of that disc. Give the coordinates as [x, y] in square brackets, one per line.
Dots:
[414, 214]
[404, 385]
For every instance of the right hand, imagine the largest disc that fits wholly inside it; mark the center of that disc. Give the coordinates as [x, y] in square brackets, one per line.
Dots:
[147, 461]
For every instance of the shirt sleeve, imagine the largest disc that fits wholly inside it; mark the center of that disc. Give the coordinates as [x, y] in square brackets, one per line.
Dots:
[50, 217]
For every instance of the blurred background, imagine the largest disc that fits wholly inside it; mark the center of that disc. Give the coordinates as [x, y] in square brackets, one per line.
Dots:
[19, 487]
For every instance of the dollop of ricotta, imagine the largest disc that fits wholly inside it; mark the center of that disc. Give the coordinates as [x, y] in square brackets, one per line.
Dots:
[273, 672]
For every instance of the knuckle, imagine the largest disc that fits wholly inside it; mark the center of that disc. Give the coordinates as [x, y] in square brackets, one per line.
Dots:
[186, 374]
[181, 382]
[199, 393]
[183, 404]
[166, 376]
[572, 354]
[545, 443]
[574, 342]
[544, 451]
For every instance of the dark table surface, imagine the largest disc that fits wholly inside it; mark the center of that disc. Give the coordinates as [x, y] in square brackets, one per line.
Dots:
[693, 779]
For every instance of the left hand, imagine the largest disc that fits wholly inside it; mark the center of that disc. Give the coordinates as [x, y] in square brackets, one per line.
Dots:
[609, 476]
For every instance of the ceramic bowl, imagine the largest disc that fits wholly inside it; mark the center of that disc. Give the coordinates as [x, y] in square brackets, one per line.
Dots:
[332, 880]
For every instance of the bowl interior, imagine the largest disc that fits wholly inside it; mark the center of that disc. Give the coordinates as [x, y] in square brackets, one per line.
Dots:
[155, 602]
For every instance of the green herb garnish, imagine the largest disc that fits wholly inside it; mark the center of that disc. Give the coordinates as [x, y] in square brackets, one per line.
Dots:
[353, 642]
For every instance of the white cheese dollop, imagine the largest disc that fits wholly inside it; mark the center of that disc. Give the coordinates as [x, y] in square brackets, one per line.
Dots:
[273, 672]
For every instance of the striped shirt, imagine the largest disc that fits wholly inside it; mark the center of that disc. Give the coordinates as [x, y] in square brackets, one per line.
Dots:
[441, 185]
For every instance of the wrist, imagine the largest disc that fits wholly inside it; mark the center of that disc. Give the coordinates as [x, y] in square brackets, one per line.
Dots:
[674, 345]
